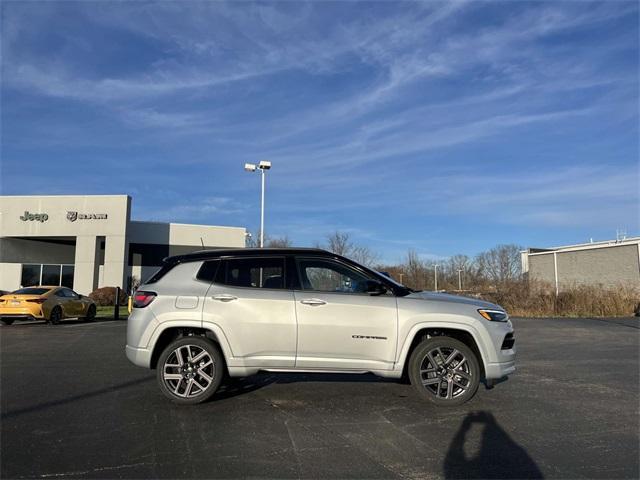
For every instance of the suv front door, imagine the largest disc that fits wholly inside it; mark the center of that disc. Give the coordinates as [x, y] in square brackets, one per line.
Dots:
[248, 300]
[340, 326]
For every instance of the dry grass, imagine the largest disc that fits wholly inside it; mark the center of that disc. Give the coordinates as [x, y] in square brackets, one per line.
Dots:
[539, 300]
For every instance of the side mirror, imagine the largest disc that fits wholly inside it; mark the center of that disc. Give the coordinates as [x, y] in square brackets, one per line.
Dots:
[374, 287]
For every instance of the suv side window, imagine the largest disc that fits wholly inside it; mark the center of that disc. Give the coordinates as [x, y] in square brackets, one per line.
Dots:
[329, 276]
[208, 271]
[258, 272]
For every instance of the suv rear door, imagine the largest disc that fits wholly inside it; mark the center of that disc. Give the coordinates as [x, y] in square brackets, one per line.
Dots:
[248, 300]
[339, 325]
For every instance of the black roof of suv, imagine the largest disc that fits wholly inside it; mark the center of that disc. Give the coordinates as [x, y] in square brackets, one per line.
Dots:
[243, 252]
[214, 253]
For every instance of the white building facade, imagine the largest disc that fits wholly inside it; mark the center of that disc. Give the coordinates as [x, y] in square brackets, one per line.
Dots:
[610, 264]
[89, 241]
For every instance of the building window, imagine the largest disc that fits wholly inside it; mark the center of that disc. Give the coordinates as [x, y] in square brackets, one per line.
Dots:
[50, 275]
[66, 280]
[60, 275]
[30, 275]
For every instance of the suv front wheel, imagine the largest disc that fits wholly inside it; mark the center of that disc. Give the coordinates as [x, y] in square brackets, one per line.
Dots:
[190, 370]
[444, 370]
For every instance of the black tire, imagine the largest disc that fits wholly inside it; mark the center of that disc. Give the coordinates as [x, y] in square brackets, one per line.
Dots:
[55, 316]
[176, 389]
[7, 321]
[452, 383]
[91, 314]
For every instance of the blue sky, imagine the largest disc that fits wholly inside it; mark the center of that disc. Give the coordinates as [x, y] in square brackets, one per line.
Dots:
[443, 127]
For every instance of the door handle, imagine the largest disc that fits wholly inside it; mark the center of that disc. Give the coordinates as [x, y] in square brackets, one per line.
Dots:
[314, 302]
[224, 297]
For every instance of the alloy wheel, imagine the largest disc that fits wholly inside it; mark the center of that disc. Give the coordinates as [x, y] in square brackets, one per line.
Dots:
[445, 373]
[188, 371]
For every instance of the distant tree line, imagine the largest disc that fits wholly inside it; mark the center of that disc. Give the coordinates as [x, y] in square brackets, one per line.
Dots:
[492, 269]
[494, 275]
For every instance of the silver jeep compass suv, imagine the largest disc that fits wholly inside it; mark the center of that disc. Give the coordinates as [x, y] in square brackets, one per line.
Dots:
[240, 311]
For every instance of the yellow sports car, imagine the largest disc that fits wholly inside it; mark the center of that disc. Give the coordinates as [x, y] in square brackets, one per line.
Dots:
[45, 303]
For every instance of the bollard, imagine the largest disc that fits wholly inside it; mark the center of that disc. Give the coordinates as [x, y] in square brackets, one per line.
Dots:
[116, 310]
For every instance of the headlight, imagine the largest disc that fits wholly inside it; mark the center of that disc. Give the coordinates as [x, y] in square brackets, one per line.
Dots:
[494, 315]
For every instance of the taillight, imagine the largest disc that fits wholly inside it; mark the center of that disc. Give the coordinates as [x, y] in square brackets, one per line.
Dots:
[36, 300]
[142, 299]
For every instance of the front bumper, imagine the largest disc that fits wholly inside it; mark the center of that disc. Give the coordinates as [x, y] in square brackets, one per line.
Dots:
[496, 371]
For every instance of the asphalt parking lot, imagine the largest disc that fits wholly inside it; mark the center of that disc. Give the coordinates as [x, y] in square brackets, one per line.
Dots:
[72, 406]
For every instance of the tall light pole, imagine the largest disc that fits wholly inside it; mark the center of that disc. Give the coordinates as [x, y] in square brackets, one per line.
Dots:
[460, 279]
[263, 166]
[435, 276]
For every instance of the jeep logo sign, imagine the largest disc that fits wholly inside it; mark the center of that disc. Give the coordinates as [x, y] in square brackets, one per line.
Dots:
[34, 217]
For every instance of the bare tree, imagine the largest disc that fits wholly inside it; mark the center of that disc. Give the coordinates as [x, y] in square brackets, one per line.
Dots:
[341, 244]
[415, 271]
[500, 264]
[279, 242]
[253, 241]
[364, 255]
[459, 269]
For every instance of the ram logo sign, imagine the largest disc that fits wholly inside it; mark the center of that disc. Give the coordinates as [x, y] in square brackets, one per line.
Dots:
[73, 216]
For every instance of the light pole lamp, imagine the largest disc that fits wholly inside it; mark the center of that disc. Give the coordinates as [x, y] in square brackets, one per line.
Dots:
[435, 276]
[263, 166]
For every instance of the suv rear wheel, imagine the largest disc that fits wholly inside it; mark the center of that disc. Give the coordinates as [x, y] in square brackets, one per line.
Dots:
[190, 370]
[444, 370]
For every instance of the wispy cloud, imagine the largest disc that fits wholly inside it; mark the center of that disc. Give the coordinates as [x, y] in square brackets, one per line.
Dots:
[197, 209]
[368, 111]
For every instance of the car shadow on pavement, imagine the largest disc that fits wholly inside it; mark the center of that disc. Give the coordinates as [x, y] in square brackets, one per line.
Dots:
[333, 377]
[498, 455]
[82, 396]
[233, 387]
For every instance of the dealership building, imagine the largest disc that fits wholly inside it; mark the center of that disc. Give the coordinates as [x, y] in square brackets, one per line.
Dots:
[89, 241]
[611, 263]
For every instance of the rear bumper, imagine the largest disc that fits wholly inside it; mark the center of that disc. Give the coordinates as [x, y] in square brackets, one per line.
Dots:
[21, 312]
[19, 316]
[138, 356]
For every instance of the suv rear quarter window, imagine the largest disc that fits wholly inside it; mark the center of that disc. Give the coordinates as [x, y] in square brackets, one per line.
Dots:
[208, 270]
[164, 269]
